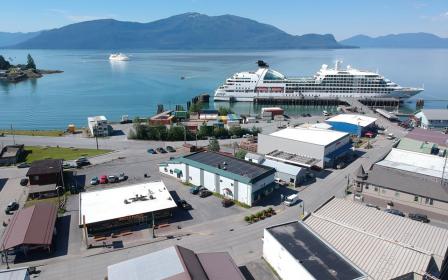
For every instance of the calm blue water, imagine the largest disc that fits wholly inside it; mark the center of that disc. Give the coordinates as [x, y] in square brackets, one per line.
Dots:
[91, 85]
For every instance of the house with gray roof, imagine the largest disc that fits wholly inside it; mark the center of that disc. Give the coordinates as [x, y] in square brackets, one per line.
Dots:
[433, 118]
[406, 189]
[237, 179]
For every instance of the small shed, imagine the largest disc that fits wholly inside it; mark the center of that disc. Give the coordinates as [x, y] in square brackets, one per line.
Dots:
[11, 154]
[46, 172]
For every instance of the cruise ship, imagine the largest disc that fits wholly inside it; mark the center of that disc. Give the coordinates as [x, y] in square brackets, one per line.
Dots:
[326, 83]
[118, 57]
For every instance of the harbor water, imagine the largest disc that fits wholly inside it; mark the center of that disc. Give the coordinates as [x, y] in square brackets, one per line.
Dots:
[93, 85]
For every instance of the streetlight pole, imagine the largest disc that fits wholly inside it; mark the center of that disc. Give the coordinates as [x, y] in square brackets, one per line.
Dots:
[442, 180]
[13, 137]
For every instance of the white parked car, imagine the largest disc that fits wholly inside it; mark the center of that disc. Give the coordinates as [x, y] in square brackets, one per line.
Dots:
[291, 200]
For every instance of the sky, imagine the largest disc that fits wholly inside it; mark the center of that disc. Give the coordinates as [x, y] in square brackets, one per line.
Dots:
[340, 18]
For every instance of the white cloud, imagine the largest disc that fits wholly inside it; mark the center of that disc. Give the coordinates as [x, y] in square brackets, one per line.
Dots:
[436, 18]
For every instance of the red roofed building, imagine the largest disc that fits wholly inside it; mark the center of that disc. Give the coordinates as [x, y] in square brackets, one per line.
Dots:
[31, 228]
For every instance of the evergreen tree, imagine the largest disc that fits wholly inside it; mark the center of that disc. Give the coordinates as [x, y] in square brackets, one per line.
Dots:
[4, 64]
[30, 63]
[213, 145]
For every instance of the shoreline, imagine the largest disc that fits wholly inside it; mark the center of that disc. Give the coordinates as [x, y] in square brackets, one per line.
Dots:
[15, 75]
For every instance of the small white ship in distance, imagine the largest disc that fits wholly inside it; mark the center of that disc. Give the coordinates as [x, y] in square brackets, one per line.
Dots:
[118, 57]
[326, 83]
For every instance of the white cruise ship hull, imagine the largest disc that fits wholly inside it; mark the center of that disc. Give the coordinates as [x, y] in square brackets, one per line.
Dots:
[326, 83]
[249, 97]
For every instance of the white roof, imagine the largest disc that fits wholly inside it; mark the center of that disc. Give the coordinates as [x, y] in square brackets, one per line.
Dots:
[435, 114]
[20, 273]
[310, 135]
[162, 264]
[430, 165]
[108, 204]
[381, 244]
[321, 125]
[96, 118]
[360, 120]
[282, 167]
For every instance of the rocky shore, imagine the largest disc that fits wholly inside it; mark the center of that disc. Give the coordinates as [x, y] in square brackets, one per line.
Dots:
[15, 75]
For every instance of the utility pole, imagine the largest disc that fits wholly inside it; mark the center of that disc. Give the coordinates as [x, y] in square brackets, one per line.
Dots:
[13, 138]
[153, 226]
[5, 253]
[442, 180]
[96, 139]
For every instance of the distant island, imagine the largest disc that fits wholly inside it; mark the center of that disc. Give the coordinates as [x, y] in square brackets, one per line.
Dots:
[403, 40]
[181, 32]
[17, 73]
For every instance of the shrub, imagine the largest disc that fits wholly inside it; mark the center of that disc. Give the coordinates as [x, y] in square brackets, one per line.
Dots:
[247, 219]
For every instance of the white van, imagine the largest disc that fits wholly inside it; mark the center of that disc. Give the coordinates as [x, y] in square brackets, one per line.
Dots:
[291, 200]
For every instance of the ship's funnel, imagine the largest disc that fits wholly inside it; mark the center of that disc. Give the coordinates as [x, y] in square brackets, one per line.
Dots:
[263, 64]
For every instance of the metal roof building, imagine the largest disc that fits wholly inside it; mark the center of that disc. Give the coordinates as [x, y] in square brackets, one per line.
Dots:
[295, 251]
[177, 263]
[424, 147]
[433, 118]
[432, 136]
[321, 146]
[353, 124]
[31, 227]
[407, 182]
[385, 246]
[229, 176]
[424, 164]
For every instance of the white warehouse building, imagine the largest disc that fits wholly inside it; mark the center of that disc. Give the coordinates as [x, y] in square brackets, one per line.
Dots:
[234, 178]
[305, 146]
[98, 126]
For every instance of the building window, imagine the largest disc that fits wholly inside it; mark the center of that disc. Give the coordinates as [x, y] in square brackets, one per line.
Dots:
[171, 171]
[190, 178]
[231, 184]
[429, 201]
[397, 194]
[376, 189]
[383, 190]
[367, 187]
[35, 178]
[416, 198]
[291, 180]
[166, 169]
[220, 181]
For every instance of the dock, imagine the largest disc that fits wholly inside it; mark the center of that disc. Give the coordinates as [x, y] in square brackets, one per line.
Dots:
[315, 101]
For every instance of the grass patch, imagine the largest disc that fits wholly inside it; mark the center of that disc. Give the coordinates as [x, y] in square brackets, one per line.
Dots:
[51, 133]
[240, 204]
[37, 153]
[51, 200]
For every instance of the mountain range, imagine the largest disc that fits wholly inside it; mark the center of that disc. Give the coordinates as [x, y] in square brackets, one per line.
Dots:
[184, 31]
[403, 40]
[199, 31]
[11, 39]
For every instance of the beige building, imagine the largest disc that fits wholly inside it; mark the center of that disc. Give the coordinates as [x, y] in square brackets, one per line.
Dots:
[406, 190]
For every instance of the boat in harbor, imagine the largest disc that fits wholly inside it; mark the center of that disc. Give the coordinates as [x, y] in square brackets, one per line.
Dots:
[329, 83]
[118, 57]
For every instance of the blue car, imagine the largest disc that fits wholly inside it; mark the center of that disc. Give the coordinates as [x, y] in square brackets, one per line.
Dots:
[195, 189]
